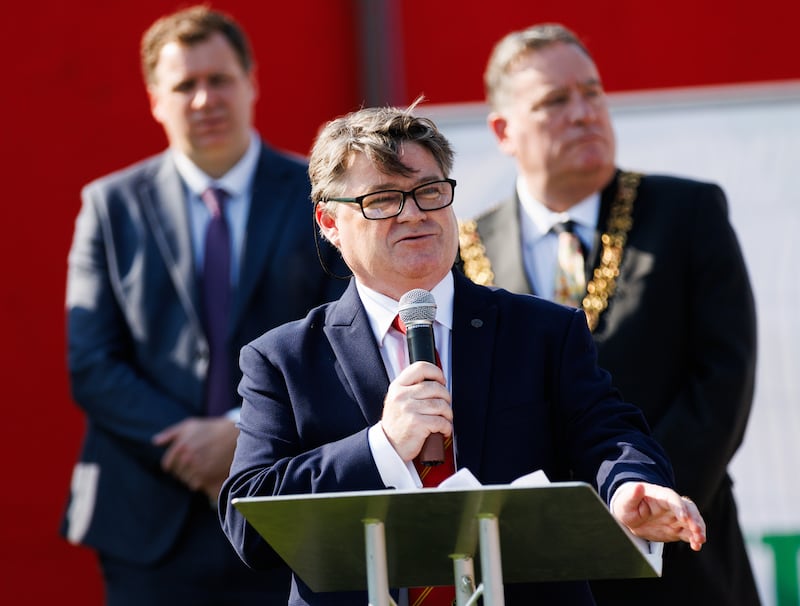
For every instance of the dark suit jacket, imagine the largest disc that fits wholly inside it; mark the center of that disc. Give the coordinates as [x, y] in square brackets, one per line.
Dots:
[527, 395]
[137, 351]
[679, 339]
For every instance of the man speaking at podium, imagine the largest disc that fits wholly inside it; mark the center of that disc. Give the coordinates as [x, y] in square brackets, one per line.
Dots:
[329, 403]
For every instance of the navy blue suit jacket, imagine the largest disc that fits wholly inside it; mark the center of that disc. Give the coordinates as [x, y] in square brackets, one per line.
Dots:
[527, 395]
[137, 350]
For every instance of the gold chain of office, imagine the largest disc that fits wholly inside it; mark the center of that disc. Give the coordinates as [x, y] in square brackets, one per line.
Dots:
[601, 287]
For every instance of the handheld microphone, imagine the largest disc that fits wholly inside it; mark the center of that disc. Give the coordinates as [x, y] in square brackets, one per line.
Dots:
[418, 311]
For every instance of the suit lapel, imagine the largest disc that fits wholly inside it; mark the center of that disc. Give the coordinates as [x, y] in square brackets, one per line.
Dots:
[474, 329]
[269, 206]
[164, 206]
[501, 234]
[474, 326]
[350, 335]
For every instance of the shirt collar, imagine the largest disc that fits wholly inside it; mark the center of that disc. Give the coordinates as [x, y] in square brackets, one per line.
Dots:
[381, 310]
[236, 181]
[584, 213]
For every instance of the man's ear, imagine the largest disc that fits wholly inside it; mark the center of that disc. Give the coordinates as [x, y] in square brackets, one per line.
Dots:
[498, 125]
[155, 110]
[327, 224]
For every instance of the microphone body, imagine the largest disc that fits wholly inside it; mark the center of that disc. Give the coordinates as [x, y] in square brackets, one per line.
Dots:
[421, 347]
[417, 311]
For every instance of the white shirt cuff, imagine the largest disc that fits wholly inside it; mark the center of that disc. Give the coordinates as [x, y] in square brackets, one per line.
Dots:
[394, 472]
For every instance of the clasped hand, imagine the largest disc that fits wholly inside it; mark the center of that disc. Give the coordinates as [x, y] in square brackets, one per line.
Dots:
[199, 452]
[417, 404]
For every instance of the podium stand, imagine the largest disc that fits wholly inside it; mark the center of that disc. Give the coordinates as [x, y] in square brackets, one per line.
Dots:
[395, 538]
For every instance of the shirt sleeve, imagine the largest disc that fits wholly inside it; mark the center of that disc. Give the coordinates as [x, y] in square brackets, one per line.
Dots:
[394, 472]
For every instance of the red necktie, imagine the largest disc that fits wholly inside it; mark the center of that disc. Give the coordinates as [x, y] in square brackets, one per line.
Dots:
[432, 476]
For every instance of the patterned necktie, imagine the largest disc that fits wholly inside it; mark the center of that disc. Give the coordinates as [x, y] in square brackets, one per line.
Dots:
[432, 476]
[216, 282]
[570, 275]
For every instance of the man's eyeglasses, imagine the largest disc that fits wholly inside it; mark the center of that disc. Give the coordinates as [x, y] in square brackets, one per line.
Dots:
[389, 203]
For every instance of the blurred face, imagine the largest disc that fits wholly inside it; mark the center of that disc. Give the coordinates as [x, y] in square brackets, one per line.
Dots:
[555, 121]
[204, 100]
[415, 249]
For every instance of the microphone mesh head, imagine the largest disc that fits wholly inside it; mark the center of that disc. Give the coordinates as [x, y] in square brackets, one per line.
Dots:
[417, 306]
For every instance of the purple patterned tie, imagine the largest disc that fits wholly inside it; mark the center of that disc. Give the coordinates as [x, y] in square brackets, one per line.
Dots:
[216, 282]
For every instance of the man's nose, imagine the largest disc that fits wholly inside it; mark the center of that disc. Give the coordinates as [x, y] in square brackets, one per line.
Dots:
[410, 208]
[202, 97]
[581, 108]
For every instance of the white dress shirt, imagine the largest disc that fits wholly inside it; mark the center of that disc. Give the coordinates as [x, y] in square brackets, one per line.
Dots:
[238, 183]
[540, 243]
[381, 311]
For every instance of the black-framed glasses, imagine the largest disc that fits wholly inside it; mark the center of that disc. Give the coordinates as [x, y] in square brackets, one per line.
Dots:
[388, 203]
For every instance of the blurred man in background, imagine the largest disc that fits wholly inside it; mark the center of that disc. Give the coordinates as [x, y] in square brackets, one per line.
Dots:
[656, 266]
[176, 262]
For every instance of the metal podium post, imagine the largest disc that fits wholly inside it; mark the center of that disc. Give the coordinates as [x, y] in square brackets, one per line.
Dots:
[377, 572]
[464, 574]
[463, 570]
[491, 567]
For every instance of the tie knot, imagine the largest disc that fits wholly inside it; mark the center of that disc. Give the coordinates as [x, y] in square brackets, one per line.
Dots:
[568, 227]
[398, 324]
[564, 227]
[214, 199]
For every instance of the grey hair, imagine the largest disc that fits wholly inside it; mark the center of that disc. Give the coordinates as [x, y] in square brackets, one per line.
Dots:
[516, 44]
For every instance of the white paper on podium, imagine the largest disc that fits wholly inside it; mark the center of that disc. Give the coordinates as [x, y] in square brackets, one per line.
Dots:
[463, 479]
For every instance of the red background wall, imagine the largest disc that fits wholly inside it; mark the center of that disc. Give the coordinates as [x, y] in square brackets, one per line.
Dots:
[73, 108]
